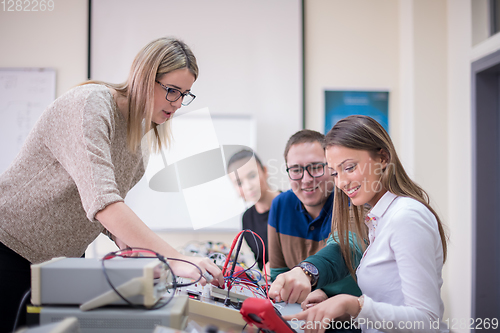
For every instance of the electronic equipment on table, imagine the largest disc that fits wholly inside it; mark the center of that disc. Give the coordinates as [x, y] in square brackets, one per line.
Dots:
[220, 306]
[116, 319]
[131, 287]
[68, 325]
[92, 282]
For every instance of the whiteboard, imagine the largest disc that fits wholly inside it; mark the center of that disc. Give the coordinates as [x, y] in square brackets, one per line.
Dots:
[24, 95]
[180, 189]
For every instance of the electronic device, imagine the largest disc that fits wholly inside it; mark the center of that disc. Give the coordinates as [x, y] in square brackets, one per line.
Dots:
[68, 325]
[83, 281]
[116, 319]
[206, 309]
[213, 294]
[262, 313]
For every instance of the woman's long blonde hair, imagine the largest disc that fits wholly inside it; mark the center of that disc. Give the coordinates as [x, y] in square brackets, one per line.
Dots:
[364, 133]
[159, 57]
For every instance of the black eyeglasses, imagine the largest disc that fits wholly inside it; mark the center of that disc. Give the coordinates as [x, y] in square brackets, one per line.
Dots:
[314, 170]
[174, 94]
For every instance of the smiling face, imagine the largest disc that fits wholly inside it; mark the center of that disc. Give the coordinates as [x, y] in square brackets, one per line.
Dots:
[357, 173]
[312, 192]
[251, 182]
[180, 79]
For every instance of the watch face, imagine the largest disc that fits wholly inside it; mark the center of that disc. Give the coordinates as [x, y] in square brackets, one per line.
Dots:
[310, 267]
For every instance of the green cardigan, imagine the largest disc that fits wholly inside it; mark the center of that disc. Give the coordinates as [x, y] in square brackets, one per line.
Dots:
[334, 276]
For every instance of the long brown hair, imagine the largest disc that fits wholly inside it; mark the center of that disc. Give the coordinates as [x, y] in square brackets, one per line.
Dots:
[364, 133]
[159, 57]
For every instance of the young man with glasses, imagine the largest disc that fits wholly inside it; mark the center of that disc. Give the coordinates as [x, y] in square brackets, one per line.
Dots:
[300, 219]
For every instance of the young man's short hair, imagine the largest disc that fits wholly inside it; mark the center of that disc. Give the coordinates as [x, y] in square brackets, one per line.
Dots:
[304, 136]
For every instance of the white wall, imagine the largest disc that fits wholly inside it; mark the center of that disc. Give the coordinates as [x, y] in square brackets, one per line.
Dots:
[56, 39]
[246, 70]
[480, 21]
[430, 100]
[458, 276]
[350, 44]
[249, 65]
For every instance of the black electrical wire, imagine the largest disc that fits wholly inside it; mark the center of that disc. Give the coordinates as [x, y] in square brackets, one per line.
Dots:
[258, 252]
[237, 253]
[19, 310]
[255, 262]
[175, 285]
[257, 245]
[116, 254]
[227, 301]
[231, 278]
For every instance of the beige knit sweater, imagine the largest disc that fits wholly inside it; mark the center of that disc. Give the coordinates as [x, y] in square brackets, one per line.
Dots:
[74, 163]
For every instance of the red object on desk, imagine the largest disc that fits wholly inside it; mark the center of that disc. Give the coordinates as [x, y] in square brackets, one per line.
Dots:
[261, 313]
[240, 273]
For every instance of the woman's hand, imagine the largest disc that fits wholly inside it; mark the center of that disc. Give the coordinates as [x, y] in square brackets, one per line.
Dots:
[128, 229]
[189, 271]
[313, 299]
[318, 318]
[291, 287]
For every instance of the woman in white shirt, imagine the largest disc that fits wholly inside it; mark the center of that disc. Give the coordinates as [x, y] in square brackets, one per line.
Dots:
[400, 272]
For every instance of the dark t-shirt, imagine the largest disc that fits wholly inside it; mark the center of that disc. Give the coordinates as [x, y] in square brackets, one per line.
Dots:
[256, 222]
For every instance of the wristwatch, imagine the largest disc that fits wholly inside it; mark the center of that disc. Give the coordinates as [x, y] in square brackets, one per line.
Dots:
[311, 271]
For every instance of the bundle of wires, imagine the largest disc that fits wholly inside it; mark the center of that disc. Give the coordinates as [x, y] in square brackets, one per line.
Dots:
[141, 253]
[231, 278]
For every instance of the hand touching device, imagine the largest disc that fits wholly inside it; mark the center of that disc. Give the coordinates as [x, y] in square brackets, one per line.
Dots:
[261, 313]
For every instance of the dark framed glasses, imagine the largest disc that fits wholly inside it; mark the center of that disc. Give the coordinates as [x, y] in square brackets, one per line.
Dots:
[174, 94]
[314, 170]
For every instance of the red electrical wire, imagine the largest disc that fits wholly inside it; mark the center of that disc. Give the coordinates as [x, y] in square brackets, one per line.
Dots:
[230, 252]
[124, 252]
[263, 256]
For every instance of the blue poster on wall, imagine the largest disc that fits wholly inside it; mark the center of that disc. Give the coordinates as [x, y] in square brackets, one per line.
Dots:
[340, 104]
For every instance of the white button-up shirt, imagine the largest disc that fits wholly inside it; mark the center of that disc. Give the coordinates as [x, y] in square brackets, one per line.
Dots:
[400, 273]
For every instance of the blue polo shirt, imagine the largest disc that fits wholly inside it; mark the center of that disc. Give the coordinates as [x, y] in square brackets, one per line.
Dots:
[286, 207]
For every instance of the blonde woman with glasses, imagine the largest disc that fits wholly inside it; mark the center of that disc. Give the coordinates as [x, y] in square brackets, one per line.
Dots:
[69, 181]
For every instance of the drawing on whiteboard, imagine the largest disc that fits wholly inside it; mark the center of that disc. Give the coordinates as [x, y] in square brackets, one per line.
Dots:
[24, 94]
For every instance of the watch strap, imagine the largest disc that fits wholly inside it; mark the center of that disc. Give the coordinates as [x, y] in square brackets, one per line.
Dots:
[314, 277]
